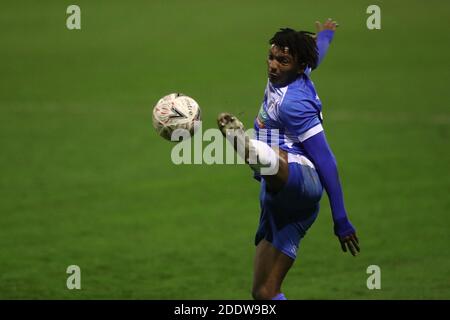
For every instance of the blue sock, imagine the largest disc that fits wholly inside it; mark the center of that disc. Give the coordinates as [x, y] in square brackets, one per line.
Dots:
[279, 296]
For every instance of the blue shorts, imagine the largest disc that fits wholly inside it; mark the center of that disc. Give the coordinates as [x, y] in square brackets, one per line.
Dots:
[288, 214]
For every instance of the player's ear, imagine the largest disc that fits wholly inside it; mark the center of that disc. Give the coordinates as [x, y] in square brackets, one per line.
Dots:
[301, 68]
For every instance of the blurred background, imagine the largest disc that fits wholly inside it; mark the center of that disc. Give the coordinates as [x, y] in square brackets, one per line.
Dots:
[85, 180]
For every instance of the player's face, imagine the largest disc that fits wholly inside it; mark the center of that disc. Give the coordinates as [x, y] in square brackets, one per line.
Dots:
[282, 67]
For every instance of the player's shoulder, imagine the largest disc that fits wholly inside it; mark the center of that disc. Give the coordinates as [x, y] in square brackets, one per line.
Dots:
[298, 98]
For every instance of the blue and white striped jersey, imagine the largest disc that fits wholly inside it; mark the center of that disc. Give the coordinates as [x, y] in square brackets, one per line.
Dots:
[289, 115]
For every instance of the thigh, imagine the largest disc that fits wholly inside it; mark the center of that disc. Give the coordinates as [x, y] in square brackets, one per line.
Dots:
[270, 266]
[277, 181]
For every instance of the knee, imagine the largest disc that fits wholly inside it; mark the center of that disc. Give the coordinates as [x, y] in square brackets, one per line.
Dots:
[263, 293]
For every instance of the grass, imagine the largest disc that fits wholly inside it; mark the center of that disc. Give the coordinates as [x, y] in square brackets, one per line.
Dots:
[85, 180]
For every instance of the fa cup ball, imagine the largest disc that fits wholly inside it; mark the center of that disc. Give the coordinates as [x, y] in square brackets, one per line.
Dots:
[175, 111]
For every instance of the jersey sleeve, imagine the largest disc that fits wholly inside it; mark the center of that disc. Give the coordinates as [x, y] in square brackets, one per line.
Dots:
[300, 118]
[320, 153]
[324, 39]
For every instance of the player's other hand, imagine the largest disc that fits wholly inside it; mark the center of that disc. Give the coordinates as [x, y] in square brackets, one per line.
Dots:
[346, 234]
[329, 24]
[350, 243]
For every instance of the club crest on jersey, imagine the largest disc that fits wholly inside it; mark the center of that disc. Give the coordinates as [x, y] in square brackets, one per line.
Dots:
[262, 117]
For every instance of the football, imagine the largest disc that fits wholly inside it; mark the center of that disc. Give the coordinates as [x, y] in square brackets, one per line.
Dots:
[175, 111]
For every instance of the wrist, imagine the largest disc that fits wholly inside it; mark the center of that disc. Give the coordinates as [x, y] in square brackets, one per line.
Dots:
[327, 34]
[343, 227]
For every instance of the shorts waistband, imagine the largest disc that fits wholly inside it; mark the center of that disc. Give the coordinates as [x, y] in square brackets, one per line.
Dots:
[300, 159]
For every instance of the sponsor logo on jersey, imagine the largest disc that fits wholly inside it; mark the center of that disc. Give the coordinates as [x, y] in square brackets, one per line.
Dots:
[262, 117]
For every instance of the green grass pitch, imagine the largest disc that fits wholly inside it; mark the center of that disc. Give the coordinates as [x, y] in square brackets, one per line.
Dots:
[85, 180]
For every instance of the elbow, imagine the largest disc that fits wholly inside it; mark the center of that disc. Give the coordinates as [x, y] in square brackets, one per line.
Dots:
[324, 158]
[326, 162]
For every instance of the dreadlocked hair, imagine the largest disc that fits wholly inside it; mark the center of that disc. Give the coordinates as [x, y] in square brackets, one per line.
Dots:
[302, 45]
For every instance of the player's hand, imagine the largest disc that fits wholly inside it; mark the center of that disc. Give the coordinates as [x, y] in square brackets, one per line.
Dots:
[329, 24]
[350, 243]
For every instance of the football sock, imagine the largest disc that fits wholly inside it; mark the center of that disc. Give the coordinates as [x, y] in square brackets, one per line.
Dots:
[279, 296]
[262, 158]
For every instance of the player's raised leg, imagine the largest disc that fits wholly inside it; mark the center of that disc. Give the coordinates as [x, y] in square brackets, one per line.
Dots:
[257, 154]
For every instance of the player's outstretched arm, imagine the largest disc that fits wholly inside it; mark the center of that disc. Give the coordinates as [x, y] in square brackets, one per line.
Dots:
[325, 162]
[325, 33]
